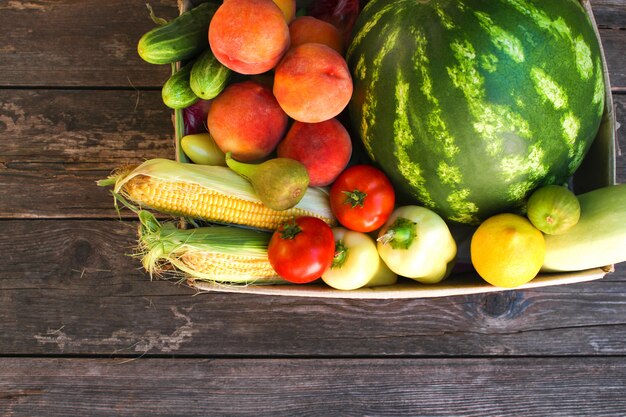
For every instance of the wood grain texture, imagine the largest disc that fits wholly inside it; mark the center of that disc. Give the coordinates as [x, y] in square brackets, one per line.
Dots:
[83, 295]
[614, 44]
[610, 13]
[93, 43]
[619, 104]
[78, 43]
[530, 387]
[55, 144]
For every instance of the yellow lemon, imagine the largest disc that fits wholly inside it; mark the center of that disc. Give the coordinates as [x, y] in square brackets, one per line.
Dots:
[507, 250]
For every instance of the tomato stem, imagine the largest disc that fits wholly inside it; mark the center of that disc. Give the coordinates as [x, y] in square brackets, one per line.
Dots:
[355, 198]
[400, 234]
[341, 254]
[289, 231]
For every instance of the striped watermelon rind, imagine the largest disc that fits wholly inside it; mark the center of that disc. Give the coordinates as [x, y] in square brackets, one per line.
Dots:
[470, 105]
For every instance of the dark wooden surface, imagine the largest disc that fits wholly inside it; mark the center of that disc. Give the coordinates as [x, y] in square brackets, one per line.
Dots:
[84, 332]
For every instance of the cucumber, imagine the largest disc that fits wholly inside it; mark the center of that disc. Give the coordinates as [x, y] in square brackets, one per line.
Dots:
[176, 92]
[599, 237]
[181, 38]
[208, 76]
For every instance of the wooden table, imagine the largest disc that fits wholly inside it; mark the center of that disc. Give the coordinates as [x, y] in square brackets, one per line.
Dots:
[84, 332]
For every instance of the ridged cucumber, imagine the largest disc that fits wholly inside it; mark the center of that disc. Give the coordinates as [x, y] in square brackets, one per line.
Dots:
[182, 38]
[176, 92]
[599, 237]
[208, 76]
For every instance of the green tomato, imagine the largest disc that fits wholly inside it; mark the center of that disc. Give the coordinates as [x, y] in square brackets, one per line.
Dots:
[356, 263]
[202, 149]
[416, 243]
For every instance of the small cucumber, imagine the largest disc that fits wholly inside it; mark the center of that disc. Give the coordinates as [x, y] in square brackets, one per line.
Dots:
[599, 237]
[182, 38]
[176, 92]
[208, 76]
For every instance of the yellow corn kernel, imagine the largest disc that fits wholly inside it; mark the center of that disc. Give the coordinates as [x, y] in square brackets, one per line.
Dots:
[213, 193]
[224, 254]
[224, 266]
[195, 201]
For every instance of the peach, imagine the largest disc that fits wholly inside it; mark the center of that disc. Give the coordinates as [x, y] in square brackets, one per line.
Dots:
[307, 29]
[288, 7]
[312, 83]
[245, 119]
[249, 36]
[323, 148]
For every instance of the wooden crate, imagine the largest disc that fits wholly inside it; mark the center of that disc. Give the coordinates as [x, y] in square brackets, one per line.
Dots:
[596, 171]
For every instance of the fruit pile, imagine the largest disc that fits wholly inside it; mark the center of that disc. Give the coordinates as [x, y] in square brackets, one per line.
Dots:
[274, 101]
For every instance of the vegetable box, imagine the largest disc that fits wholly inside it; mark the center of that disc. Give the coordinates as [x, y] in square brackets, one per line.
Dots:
[597, 170]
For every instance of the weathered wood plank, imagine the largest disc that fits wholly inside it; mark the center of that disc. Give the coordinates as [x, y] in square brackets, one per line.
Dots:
[92, 128]
[86, 43]
[60, 142]
[614, 44]
[54, 145]
[619, 104]
[610, 13]
[68, 287]
[532, 387]
[93, 43]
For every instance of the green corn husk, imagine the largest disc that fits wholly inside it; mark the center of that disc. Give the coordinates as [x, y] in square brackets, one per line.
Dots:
[161, 245]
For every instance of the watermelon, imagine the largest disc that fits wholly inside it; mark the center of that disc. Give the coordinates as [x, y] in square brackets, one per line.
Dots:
[470, 105]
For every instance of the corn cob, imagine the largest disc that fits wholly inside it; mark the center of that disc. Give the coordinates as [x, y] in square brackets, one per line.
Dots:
[220, 264]
[211, 193]
[218, 253]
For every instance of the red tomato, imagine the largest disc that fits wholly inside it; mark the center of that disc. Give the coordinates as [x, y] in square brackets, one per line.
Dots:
[362, 198]
[301, 250]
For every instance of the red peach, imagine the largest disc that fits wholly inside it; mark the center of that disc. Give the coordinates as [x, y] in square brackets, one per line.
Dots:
[307, 29]
[246, 120]
[249, 36]
[323, 148]
[312, 83]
